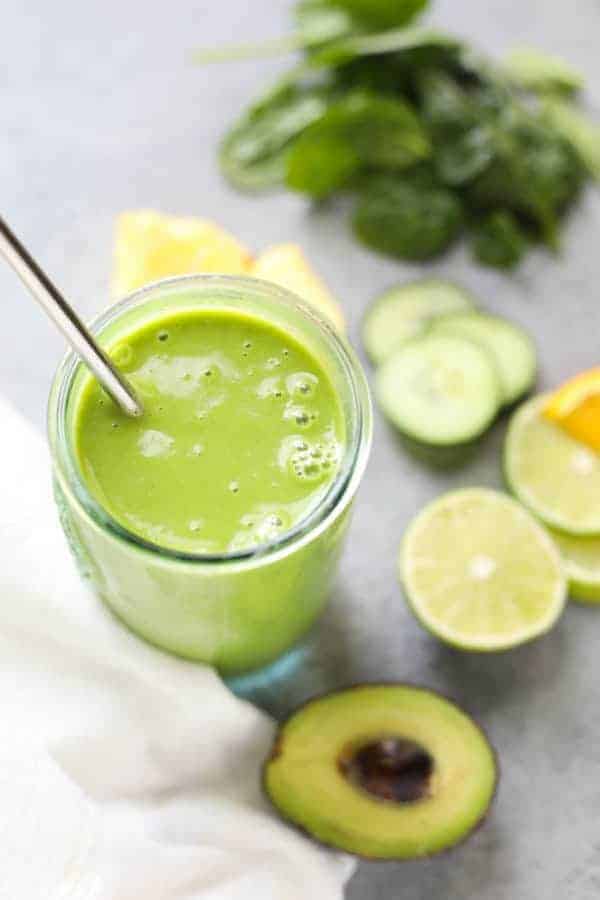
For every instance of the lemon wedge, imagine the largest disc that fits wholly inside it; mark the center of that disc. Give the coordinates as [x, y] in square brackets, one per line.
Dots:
[287, 266]
[150, 246]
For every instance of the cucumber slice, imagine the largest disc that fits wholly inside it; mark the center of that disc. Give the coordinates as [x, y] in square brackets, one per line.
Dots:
[512, 349]
[440, 390]
[403, 312]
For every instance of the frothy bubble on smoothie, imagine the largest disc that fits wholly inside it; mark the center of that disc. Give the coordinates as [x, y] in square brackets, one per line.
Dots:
[183, 376]
[261, 526]
[269, 387]
[301, 384]
[152, 443]
[309, 460]
[302, 416]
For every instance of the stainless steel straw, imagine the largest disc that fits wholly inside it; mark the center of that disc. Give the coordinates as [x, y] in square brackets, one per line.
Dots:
[69, 323]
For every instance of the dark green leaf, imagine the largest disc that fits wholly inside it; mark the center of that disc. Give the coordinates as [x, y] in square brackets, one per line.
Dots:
[535, 173]
[445, 106]
[533, 70]
[459, 161]
[398, 40]
[318, 21]
[407, 220]
[253, 151]
[321, 165]
[499, 241]
[578, 130]
[373, 131]
[383, 13]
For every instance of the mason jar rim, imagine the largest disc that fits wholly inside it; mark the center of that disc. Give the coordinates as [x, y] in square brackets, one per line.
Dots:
[339, 493]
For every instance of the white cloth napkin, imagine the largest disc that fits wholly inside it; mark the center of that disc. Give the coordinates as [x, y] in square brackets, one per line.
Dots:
[124, 773]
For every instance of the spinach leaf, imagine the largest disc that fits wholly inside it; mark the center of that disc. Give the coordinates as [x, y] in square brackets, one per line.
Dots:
[372, 130]
[397, 40]
[533, 70]
[459, 161]
[424, 128]
[582, 134]
[445, 105]
[321, 164]
[318, 21]
[253, 152]
[535, 173]
[407, 218]
[383, 13]
[499, 241]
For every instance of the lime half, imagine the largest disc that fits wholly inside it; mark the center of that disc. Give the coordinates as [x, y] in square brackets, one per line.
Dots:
[581, 557]
[554, 475]
[480, 573]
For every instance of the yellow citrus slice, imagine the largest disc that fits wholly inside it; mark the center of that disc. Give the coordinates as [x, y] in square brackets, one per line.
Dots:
[551, 473]
[286, 265]
[150, 246]
[576, 408]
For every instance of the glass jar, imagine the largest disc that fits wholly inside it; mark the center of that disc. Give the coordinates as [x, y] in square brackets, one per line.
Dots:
[238, 610]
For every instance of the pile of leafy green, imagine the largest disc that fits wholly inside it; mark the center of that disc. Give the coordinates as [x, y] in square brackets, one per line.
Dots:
[433, 139]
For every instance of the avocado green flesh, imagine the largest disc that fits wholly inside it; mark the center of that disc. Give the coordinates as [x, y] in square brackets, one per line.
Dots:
[305, 782]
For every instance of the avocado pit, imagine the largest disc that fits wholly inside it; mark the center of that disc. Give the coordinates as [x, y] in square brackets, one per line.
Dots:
[394, 769]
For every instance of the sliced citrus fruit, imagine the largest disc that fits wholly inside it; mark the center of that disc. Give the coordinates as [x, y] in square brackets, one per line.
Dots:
[554, 475]
[150, 246]
[480, 573]
[286, 265]
[581, 557]
[576, 407]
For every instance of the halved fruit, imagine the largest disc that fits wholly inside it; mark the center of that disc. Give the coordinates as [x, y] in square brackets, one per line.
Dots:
[553, 474]
[403, 312]
[439, 390]
[286, 265]
[385, 771]
[576, 408]
[480, 573]
[150, 246]
[510, 347]
[581, 557]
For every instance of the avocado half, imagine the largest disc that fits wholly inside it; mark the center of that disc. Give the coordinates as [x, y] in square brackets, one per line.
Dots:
[384, 771]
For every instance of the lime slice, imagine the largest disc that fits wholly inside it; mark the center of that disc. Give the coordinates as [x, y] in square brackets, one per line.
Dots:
[480, 573]
[581, 557]
[554, 475]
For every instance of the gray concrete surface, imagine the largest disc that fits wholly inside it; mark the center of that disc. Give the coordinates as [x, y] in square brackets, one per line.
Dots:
[100, 110]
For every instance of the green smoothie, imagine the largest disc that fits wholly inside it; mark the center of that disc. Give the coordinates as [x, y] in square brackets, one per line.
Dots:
[241, 436]
[212, 526]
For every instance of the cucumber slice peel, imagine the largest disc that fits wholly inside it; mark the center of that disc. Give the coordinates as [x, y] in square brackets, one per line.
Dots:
[439, 390]
[404, 312]
[512, 349]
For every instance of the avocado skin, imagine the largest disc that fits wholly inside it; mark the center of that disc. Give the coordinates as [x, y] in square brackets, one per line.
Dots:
[276, 751]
